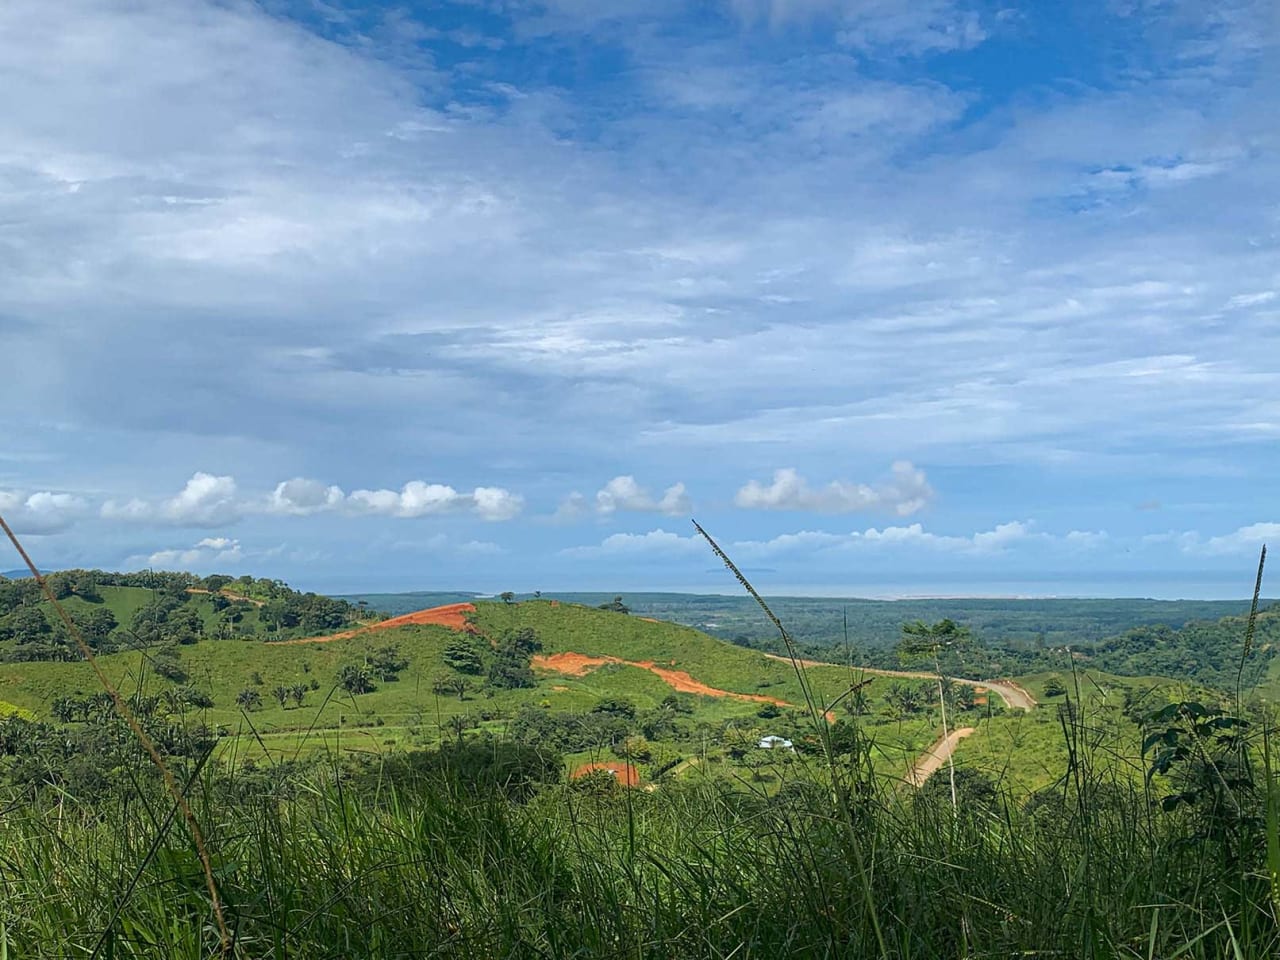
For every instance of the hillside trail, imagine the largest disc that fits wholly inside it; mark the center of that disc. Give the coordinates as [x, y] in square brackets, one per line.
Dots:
[230, 596]
[451, 615]
[935, 757]
[580, 664]
[1014, 695]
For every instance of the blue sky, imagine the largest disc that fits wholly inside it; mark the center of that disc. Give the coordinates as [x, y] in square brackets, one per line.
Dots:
[936, 297]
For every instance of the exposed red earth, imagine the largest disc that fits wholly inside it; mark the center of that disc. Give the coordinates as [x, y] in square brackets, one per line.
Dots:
[626, 774]
[579, 664]
[451, 615]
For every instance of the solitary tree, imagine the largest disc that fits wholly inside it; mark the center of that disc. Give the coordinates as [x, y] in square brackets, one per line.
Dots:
[450, 684]
[463, 654]
[248, 700]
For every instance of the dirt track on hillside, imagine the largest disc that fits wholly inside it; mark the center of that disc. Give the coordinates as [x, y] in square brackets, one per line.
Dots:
[1011, 693]
[579, 664]
[936, 756]
[230, 596]
[451, 615]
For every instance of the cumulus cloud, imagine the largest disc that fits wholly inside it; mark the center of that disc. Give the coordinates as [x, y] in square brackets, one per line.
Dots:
[205, 501]
[419, 499]
[495, 503]
[210, 501]
[40, 513]
[204, 555]
[302, 497]
[654, 543]
[1243, 539]
[906, 492]
[624, 493]
[995, 540]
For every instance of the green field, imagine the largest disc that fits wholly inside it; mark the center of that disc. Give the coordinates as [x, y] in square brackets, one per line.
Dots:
[1025, 751]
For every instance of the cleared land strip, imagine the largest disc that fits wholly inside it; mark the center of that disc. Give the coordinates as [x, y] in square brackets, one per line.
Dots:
[936, 756]
[1011, 693]
[238, 597]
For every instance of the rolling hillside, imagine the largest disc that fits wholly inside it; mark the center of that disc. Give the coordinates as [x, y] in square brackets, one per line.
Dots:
[592, 683]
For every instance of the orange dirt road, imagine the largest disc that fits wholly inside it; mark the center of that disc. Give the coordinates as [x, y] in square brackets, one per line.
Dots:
[451, 615]
[936, 756]
[579, 664]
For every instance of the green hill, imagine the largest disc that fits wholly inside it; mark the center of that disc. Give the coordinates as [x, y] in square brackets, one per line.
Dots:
[117, 611]
[590, 683]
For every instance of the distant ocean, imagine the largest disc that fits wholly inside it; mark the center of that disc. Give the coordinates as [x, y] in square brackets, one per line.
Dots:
[1155, 586]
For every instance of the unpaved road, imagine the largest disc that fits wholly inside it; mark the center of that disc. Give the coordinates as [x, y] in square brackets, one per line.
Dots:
[1011, 693]
[935, 756]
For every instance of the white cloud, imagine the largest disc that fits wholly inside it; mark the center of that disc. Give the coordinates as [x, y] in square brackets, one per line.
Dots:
[210, 501]
[205, 501]
[624, 493]
[906, 492]
[419, 499]
[656, 542]
[40, 513]
[495, 503]
[1086, 539]
[572, 507]
[908, 28]
[996, 540]
[302, 497]
[1251, 299]
[205, 555]
[1244, 539]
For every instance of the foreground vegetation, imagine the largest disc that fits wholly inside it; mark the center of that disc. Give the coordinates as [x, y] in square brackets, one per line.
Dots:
[1122, 817]
[479, 851]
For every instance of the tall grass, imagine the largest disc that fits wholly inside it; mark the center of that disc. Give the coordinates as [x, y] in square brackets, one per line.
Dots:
[427, 870]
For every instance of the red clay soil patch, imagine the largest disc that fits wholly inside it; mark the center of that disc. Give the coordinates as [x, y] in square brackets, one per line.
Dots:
[626, 774]
[451, 615]
[579, 664]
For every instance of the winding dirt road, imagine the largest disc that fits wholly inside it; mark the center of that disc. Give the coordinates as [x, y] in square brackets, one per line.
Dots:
[935, 756]
[1011, 693]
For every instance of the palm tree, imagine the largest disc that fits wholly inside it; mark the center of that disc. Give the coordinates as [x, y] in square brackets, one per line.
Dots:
[248, 699]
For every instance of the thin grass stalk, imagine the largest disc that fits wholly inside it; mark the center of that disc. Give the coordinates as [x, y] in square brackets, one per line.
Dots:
[1250, 626]
[818, 717]
[170, 782]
